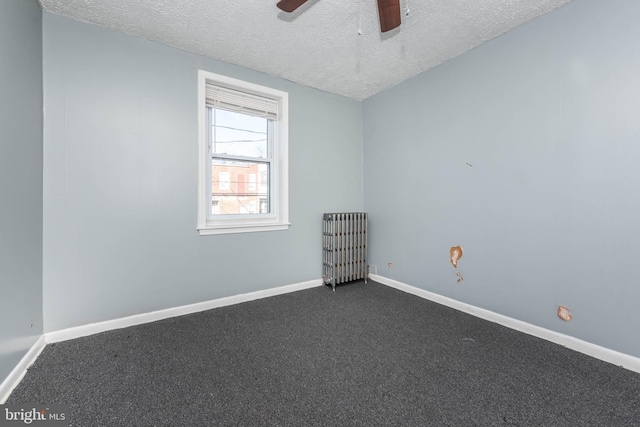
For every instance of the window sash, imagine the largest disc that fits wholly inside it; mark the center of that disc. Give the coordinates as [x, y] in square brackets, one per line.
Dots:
[269, 161]
[271, 135]
[269, 195]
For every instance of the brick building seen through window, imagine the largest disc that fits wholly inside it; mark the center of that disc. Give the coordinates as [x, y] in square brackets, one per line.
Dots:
[239, 188]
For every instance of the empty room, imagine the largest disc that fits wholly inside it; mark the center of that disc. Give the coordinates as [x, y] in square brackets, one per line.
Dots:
[320, 212]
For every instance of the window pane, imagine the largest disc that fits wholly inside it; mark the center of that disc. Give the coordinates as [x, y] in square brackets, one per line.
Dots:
[238, 134]
[232, 191]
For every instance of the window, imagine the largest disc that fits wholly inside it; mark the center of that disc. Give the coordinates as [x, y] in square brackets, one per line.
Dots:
[263, 205]
[223, 181]
[216, 206]
[243, 135]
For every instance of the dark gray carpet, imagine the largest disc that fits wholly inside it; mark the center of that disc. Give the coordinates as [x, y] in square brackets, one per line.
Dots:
[363, 355]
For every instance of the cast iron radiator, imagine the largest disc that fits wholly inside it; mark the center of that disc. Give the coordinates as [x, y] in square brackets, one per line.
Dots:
[344, 247]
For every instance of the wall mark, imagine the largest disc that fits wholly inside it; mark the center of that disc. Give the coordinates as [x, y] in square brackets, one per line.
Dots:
[564, 314]
[455, 254]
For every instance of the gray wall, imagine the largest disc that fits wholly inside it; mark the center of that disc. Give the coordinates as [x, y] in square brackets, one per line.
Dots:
[548, 117]
[120, 173]
[20, 180]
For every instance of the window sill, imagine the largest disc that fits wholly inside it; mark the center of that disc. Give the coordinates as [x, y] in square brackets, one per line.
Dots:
[247, 228]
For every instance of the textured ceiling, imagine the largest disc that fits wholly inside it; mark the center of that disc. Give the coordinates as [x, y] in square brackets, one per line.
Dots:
[333, 45]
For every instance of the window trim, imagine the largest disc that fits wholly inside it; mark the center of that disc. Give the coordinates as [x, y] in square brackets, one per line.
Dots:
[279, 219]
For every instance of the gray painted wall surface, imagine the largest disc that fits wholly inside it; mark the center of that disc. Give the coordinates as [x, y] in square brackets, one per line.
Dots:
[20, 180]
[120, 172]
[548, 117]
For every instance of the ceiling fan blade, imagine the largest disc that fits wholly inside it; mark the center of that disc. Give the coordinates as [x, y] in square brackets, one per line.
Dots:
[290, 5]
[389, 11]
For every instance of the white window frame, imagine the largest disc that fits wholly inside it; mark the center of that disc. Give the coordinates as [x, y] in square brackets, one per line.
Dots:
[278, 218]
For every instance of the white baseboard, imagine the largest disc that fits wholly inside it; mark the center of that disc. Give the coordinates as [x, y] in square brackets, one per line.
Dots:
[16, 375]
[138, 319]
[626, 361]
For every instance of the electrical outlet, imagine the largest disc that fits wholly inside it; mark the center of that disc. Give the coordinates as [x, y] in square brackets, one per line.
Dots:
[373, 269]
